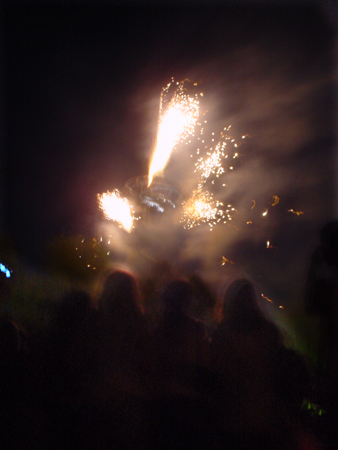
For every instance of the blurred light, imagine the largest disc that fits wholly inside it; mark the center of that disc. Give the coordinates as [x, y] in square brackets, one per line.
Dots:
[5, 270]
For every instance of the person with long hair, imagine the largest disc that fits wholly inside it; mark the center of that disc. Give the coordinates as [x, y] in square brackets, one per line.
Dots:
[244, 355]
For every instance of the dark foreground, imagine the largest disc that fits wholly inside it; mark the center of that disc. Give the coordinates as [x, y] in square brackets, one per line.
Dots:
[113, 377]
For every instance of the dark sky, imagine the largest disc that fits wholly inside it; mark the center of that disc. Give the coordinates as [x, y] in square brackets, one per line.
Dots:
[82, 83]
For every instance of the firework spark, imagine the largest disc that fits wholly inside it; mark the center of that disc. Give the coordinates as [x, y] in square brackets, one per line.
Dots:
[225, 260]
[201, 207]
[266, 298]
[295, 212]
[275, 200]
[213, 163]
[177, 120]
[116, 208]
[268, 245]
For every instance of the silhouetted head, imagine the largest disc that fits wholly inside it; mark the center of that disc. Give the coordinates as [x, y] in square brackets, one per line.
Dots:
[9, 338]
[178, 296]
[120, 294]
[203, 293]
[240, 304]
[329, 240]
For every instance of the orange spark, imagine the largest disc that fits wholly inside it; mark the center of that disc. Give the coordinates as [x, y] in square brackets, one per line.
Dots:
[268, 245]
[266, 298]
[295, 212]
[276, 200]
[225, 260]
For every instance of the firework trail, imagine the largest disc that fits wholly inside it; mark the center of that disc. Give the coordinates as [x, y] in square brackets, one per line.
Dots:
[177, 119]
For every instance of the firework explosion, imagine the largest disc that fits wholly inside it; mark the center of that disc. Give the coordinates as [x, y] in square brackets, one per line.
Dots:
[116, 208]
[201, 208]
[207, 176]
[177, 119]
[212, 164]
[181, 117]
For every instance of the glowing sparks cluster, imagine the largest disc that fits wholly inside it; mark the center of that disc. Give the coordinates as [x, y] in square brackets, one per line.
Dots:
[116, 208]
[212, 164]
[177, 120]
[201, 208]
[180, 118]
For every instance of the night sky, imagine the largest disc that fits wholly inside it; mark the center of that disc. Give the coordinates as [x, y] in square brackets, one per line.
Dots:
[81, 88]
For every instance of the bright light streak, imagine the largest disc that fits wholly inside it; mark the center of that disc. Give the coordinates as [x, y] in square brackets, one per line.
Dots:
[266, 298]
[152, 204]
[268, 245]
[116, 208]
[177, 120]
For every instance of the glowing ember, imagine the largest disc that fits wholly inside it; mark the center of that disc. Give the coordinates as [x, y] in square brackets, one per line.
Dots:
[268, 245]
[225, 260]
[275, 200]
[177, 120]
[295, 212]
[116, 208]
[266, 298]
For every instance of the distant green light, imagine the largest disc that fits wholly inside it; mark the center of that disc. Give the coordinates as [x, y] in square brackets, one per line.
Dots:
[313, 408]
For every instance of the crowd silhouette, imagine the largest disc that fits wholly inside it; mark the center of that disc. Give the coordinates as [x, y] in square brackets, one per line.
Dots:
[119, 376]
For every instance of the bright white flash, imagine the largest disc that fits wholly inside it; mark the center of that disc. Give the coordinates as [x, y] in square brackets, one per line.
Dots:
[116, 208]
[176, 122]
